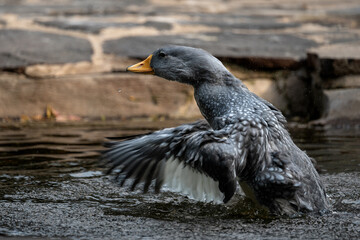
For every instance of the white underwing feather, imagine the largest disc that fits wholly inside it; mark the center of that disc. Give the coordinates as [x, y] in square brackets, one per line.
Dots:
[186, 180]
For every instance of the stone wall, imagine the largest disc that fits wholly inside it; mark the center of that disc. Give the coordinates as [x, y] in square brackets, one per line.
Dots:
[335, 72]
[70, 56]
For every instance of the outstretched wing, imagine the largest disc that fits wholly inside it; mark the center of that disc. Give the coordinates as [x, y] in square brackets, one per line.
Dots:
[192, 159]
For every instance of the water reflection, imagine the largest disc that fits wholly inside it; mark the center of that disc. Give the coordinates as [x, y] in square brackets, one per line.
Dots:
[335, 150]
[75, 149]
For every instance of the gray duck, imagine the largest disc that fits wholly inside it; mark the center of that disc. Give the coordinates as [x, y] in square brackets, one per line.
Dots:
[242, 141]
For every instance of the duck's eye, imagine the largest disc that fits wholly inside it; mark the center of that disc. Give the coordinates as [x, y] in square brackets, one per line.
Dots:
[162, 54]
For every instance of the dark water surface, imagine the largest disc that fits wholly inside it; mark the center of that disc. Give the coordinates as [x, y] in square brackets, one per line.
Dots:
[52, 187]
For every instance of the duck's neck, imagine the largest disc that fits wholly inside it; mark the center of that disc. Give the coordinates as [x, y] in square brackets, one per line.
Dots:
[218, 101]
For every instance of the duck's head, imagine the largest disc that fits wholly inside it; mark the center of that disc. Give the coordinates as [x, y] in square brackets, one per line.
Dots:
[182, 64]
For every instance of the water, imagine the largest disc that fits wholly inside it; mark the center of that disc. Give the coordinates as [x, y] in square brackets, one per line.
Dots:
[52, 186]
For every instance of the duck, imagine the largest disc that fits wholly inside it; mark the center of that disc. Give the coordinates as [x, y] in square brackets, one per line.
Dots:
[242, 143]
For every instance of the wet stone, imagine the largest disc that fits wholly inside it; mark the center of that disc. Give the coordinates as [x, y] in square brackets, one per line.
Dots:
[90, 26]
[67, 8]
[277, 49]
[158, 25]
[250, 24]
[20, 48]
[93, 25]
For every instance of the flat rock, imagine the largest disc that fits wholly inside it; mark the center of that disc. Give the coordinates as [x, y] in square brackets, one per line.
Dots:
[67, 8]
[158, 25]
[336, 60]
[96, 25]
[349, 81]
[342, 104]
[331, 36]
[21, 48]
[125, 95]
[270, 48]
[346, 11]
[90, 26]
[246, 23]
[111, 95]
[348, 50]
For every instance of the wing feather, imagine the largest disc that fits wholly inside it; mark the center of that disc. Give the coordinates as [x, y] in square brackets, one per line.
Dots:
[192, 159]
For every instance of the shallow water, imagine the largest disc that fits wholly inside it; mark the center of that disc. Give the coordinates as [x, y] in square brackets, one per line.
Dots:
[51, 186]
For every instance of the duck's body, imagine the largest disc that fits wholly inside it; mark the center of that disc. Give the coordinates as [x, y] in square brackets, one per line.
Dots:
[243, 140]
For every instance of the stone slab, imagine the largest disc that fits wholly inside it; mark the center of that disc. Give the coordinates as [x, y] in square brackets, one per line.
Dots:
[158, 25]
[66, 8]
[20, 48]
[96, 25]
[342, 104]
[331, 36]
[348, 50]
[349, 81]
[336, 60]
[271, 47]
[247, 23]
[95, 96]
[110, 95]
[89, 26]
[345, 11]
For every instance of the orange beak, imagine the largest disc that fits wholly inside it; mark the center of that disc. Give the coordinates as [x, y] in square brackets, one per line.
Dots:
[142, 67]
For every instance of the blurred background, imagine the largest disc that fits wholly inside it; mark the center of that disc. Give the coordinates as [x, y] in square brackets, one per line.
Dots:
[65, 60]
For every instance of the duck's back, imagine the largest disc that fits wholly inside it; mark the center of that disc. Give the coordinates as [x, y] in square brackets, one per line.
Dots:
[288, 182]
[282, 176]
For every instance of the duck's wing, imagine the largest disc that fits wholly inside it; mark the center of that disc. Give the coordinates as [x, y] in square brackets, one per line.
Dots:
[192, 159]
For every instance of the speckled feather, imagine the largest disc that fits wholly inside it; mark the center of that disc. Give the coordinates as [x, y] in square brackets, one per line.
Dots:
[242, 140]
[196, 145]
